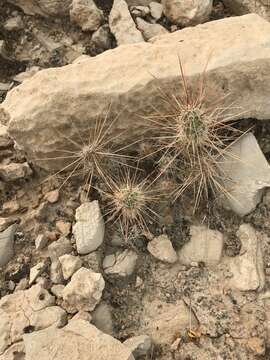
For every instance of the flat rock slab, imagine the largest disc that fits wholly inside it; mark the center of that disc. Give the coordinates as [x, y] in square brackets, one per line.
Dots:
[55, 99]
[79, 340]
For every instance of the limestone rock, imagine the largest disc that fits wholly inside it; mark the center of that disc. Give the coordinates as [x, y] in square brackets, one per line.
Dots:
[150, 30]
[188, 12]
[56, 274]
[43, 7]
[60, 247]
[7, 244]
[102, 318]
[57, 290]
[89, 228]
[5, 140]
[41, 241]
[35, 271]
[37, 105]
[242, 7]
[161, 248]
[246, 173]
[79, 340]
[70, 264]
[14, 24]
[86, 14]
[28, 309]
[156, 10]
[139, 2]
[139, 345]
[14, 352]
[122, 263]
[14, 171]
[84, 291]
[205, 246]
[122, 24]
[162, 320]
[102, 38]
[247, 268]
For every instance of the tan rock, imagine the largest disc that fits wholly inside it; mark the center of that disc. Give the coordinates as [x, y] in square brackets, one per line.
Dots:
[162, 321]
[122, 24]
[161, 248]
[70, 264]
[47, 104]
[241, 7]
[86, 14]
[79, 340]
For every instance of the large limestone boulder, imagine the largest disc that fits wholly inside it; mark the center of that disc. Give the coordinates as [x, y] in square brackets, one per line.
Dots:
[79, 340]
[55, 104]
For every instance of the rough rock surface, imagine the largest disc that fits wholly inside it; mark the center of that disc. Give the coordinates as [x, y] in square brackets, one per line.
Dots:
[79, 340]
[122, 263]
[89, 228]
[14, 171]
[102, 318]
[70, 264]
[139, 345]
[162, 249]
[43, 7]
[246, 174]
[86, 14]
[241, 7]
[156, 10]
[84, 291]
[27, 309]
[188, 12]
[48, 103]
[162, 321]
[7, 244]
[122, 24]
[247, 268]
[150, 30]
[5, 140]
[205, 246]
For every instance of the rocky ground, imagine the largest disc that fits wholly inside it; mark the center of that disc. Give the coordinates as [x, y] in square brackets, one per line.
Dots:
[73, 285]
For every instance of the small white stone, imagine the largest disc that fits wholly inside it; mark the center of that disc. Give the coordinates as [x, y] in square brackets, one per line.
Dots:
[156, 10]
[41, 241]
[205, 246]
[89, 228]
[84, 291]
[122, 263]
[162, 249]
[70, 264]
[35, 271]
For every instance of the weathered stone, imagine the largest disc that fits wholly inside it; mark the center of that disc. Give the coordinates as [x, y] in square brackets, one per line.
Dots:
[89, 228]
[70, 264]
[15, 171]
[60, 247]
[247, 268]
[122, 263]
[5, 140]
[7, 244]
[141, 11]
[188, 12]
[57, 290]
[25, 75]
[5, 222]
[242, 7]
[41, 241]
[139, 345]
[102, 38]
[122, 24]
[63, 227]
[14, 24]
[29, 309]
[86, 14]
[37, 105]
[102, 318]
[56, 274]
[79, 340]
[43, 7]
[162, 320]
[205, 246]
[14, 352]
[156, 10]
[161, 248]
[35, 271]
[150, 30]
[246, 173]
[84, 291]
[52, 196]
